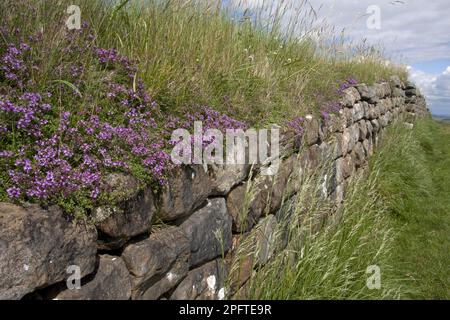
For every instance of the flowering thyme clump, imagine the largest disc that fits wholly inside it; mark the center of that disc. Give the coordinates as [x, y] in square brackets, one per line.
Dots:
[60, 141]
[350, 82]
[55, 150]
[296, 124]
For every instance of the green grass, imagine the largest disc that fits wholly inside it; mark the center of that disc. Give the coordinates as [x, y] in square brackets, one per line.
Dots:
[396, 216]
[415, 183]
[191, 53]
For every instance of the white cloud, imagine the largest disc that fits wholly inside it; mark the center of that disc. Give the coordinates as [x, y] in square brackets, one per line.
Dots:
[412, 32]
[436, 88]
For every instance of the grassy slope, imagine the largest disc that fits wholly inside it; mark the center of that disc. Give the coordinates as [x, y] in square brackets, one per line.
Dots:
[398, 218]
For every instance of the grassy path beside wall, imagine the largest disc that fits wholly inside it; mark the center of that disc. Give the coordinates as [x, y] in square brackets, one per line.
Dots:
[416, 184]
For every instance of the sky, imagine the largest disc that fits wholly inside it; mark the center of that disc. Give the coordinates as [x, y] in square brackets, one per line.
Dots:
[415, 33]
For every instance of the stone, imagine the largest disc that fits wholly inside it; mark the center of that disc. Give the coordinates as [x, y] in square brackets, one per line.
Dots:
[340, 122]
[264, 234]
[411, 92]
[372, 112]
[344, 168]
[358, 155]
[369, 128]
[350, 97]
[399, 93]
[209, 231]
[349, 116]
[131, 216]
[337, 145]
[383, 120]
[186, 190]
[241, 262]
[158, 263]
[376, 126]
[206, 282]
[382, 106]
[368, 93]
[225, 177]
[355, 133]
[346, 144]
[389, 104]
[367, 145]
[359, 111]
[409, 85]
[311, 127]
[310, 158]
[278, 189]
[111, 282]
[37, 246]
[260, 243]
[338, 194]
[362, 130]
[386, 89]
[246, 204]
[410, 117]
[160, 285]
[395, 82]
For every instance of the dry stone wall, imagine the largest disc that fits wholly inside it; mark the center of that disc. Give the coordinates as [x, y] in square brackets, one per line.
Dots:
[130, 254]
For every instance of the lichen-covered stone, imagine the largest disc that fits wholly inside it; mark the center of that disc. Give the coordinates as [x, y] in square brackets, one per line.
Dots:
[344, 168]
[225, 177]
[206, 282]
[358, 155]
[368, 93]
[359, 111]
[350, 97]
[362, 126]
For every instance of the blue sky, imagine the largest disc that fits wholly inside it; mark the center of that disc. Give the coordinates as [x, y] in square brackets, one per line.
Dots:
[415, 33]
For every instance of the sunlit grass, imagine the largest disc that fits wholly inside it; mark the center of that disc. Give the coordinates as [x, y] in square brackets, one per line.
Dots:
[256, 65]
[396, 216]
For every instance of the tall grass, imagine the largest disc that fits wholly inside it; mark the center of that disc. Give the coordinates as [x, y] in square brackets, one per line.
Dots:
[329, 249]
[415, 184]
[262, 65]
[396, 217]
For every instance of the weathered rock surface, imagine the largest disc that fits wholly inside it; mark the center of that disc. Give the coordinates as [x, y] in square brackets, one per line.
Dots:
[111, 282]
[344, 168]
[368, 93]
[246, 204]
[312, 128]
[157, 264]
[225, 177]
[132, 215]
[204, 283]
[264, 235]
[37, 246]
[209, 232]
[186, 190]
[350, 97]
